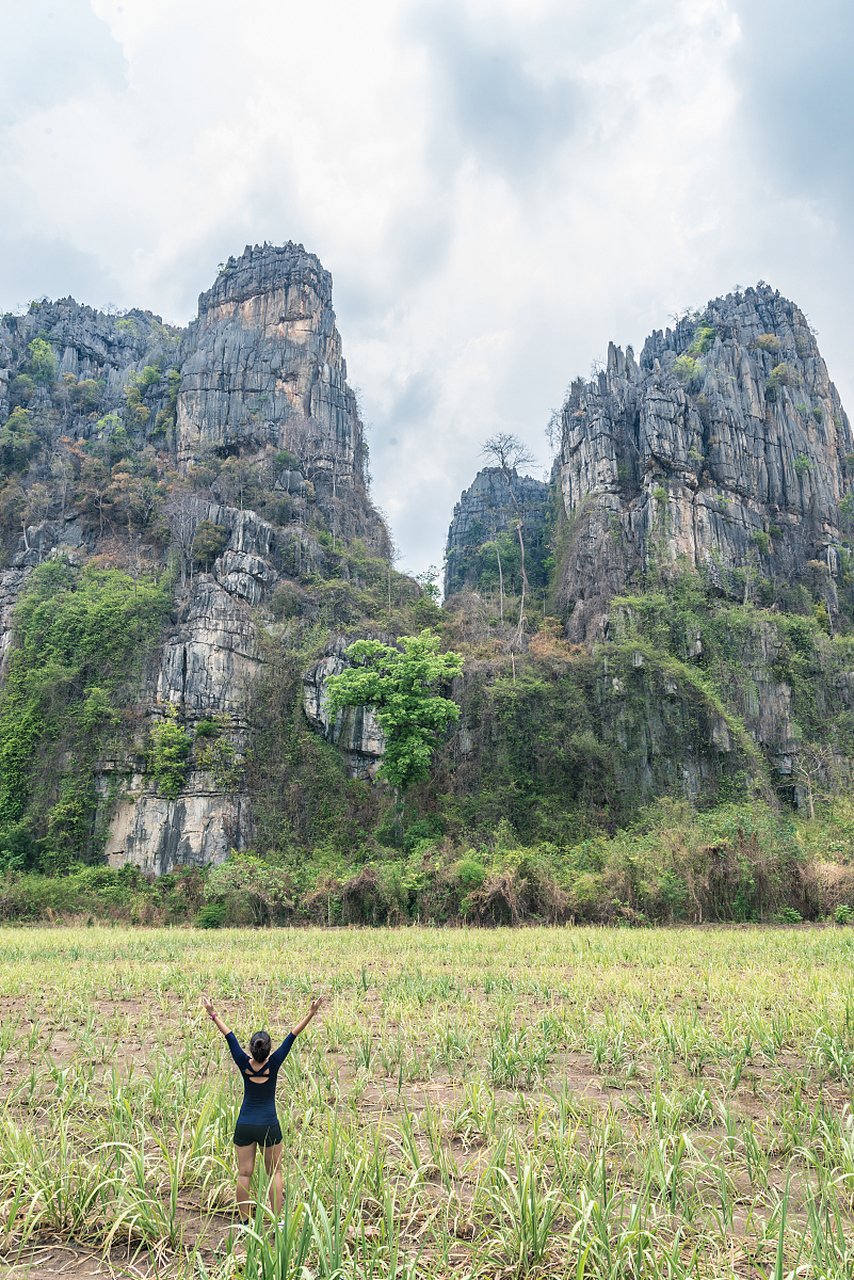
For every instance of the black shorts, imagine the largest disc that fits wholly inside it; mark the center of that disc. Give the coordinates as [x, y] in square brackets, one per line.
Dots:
[266, 1135]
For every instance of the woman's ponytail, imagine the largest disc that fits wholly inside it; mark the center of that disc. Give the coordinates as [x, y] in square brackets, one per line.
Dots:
[259, 1046]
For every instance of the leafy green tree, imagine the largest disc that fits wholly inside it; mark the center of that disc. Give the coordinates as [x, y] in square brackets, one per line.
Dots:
[18, 440]
[238, 482]
[399, 684]
[23, 389]
[87, 394]
[208, 543]
[18, 851]
[42, 362]
[94, 492]
[167, 754]
[428, 581]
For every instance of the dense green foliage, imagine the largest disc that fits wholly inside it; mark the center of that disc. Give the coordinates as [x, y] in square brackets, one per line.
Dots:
[399, 685]
[168, 749]
[719, 646]
[537, 758]
[80, 636]
[491, 561]
[737, 862]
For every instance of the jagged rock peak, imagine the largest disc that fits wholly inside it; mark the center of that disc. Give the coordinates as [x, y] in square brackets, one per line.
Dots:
[266, 265]
[741, 316]
[485, 510]
[263, 367]
[725, 445]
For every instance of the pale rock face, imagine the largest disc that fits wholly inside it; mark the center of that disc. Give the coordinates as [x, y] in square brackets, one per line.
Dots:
[664, 460]
[158, 835]
[204, 666]
[205, 663]
[353, 729]
[263, 365]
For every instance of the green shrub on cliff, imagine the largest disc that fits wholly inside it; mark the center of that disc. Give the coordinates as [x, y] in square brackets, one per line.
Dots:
[687, 368]
[704, 337]
[168, 749]
[42, 363]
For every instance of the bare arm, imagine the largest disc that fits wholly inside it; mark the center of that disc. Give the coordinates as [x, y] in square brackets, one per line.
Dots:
[214, 1016]
[312, 1010]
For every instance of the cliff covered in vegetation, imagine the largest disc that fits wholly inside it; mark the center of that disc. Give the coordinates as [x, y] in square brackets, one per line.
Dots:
[696, 636]
[189, 546]
[218, 471]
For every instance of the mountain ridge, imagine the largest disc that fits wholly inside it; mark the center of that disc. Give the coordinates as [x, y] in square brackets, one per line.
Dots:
[689, 566]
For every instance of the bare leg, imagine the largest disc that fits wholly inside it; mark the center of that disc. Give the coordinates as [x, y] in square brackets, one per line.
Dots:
[245, 1168]
[273, 1165]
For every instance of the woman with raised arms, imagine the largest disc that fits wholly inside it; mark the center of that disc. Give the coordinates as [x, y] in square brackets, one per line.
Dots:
[258, 1123]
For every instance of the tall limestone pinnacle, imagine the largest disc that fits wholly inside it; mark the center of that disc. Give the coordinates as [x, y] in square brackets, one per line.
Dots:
[725, 446]
[122, 439]
[262, 365]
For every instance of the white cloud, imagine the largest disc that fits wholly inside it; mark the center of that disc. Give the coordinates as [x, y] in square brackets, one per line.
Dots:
[498, 187]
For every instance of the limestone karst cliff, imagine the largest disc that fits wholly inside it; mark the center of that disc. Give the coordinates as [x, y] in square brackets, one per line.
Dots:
[262, 366]
[126, 442]
[724, 445]
[188, 546]
[722, 453]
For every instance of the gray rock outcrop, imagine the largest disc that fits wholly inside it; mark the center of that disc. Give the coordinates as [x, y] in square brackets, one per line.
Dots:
[98, 358]
[485, 510]
[725, 445]
[259, 377]
[262, 367]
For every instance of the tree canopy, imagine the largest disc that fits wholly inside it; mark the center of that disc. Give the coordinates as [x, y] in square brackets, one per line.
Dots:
[399, 685]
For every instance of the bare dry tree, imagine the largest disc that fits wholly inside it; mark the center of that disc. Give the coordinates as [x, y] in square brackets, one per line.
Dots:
[817, 773]
[509, 453]
[184, 512]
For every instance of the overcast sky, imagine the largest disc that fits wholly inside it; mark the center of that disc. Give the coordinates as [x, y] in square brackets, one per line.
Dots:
[499, 187]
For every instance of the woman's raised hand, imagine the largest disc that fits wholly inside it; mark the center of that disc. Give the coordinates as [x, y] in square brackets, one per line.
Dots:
[315, 1005]
[208, 1006]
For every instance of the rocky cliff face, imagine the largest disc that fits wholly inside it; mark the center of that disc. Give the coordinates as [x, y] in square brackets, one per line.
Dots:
[484, 511]
[725, 444]
[258, 380]
[262, 366]
[723, 447]
[98, 356]
[202, 670]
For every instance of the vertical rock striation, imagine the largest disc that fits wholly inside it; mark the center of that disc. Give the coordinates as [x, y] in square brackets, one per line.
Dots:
[258, 377]
[262, 366]
[725, 445]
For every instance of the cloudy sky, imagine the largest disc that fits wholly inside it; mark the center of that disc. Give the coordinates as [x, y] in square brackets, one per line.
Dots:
[498, 187]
